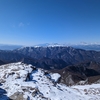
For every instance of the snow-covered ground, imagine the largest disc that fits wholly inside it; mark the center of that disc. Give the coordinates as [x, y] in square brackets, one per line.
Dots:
[30, 83]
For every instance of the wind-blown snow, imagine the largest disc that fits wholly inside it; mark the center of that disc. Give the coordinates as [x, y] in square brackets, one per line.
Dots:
[36, 85]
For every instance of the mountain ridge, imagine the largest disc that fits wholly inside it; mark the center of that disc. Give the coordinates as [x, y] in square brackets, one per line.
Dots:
[47, 57]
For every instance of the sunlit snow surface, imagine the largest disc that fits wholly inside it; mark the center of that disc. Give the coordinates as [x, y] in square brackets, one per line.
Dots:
[36, 85]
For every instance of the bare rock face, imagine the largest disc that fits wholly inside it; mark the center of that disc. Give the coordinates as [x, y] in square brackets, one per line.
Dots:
[17, 96]
[69, 80]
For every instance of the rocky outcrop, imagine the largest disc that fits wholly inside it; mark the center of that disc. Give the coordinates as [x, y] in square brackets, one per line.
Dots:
[18, 96]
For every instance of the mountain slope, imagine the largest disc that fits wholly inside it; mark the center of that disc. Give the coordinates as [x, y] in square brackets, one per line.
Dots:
[83, 73]
[1, 62]
[10, 56]
[45, 63]
[25, 82]
[49, 57]
[68, 55]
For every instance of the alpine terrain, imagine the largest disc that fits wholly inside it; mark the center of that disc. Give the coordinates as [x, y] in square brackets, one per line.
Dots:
[20, 81]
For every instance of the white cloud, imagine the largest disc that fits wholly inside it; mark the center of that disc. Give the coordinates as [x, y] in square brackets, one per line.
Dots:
[21, 24]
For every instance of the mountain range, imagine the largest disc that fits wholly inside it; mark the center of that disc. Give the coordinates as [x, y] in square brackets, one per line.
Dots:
[49, 57]
[83, 45]
[26, 71]
[57, 57]
[75, 63]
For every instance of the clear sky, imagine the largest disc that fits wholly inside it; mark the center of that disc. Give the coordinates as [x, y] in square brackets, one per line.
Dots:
[30, 22]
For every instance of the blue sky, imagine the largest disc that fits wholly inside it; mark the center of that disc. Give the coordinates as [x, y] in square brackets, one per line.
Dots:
[30, 22]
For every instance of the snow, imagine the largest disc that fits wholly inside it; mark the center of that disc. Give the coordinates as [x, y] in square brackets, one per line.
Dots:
[41, 87]
[55, 76]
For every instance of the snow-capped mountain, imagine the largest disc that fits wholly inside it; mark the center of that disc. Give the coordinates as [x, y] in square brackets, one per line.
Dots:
[85, 46]
[82, 45]
[25, 82]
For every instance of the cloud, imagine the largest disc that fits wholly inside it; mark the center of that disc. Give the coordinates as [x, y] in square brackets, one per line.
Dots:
[21, 24]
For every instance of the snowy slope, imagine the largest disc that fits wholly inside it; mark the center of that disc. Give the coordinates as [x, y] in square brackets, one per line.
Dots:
[27, 82]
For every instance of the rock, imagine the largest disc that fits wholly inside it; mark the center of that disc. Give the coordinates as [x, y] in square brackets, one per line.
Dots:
[18, 96]
[2, 81]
